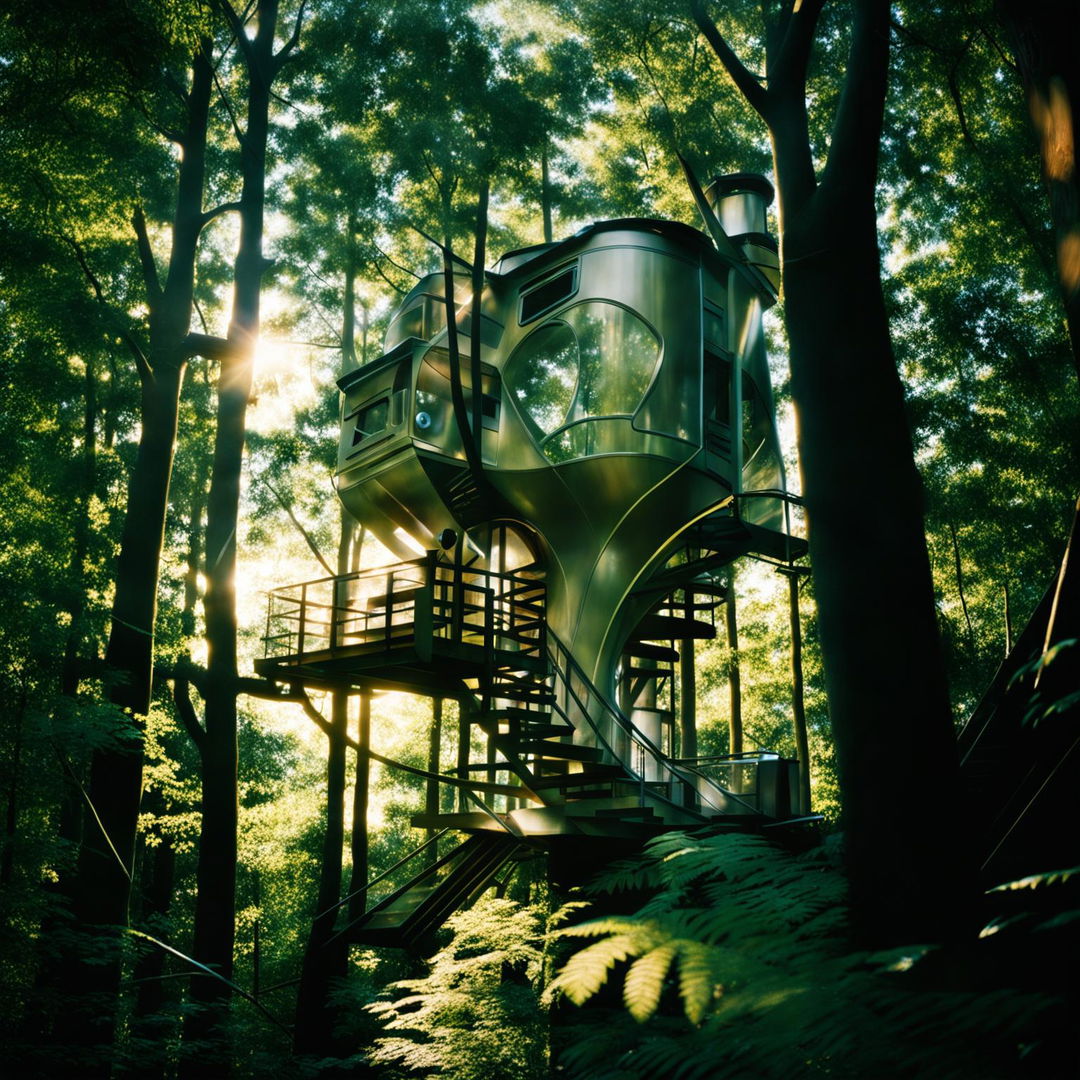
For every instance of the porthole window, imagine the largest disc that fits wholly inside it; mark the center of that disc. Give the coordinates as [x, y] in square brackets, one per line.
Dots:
[595, 360]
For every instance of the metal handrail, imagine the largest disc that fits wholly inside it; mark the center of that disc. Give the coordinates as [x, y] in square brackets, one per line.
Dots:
[638, 738]
[468, 601]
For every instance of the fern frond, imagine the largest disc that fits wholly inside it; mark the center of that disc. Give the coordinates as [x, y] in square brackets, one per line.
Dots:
[567, 911]
[697, 983]
[1038, 881]
[587, 971]
[597, 927]
[644, 982]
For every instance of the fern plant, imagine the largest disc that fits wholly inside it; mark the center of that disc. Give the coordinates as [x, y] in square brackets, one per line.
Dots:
[475, 1015]
[738, 966]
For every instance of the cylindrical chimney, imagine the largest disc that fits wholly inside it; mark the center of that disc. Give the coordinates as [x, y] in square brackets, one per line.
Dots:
[739, 201]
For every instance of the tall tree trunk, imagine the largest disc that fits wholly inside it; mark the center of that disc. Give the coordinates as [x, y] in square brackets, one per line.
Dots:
[348, 306]
[431, 793]
[69, 676]
[159, 862]
[215, 908]
[324, 958]
[101, 889]
[545, 194]
[884, 671]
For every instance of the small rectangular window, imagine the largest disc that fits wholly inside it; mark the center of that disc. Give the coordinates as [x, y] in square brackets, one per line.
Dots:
[371, 420]
[543, 297]
[714, 326]
[490, 330]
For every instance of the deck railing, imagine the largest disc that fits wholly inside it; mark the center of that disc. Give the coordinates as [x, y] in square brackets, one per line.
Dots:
[407, 604]
[416, 603]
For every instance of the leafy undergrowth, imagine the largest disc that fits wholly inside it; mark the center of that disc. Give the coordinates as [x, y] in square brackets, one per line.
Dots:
[476, 1014]
[738, 966]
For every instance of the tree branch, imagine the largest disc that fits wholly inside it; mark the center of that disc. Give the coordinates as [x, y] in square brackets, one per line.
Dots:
[308, 538]
[141, 363]
[857, 129]
[236, 24]
[208, 215]
[208, 345]
[447, 252]
[146, 256]
[794, 56]
[746, 83]
[396, 265]
[228, 106]
[286, 51]
[186, 711]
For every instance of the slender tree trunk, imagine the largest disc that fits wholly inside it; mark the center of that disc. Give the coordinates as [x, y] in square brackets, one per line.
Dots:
[69, 677]
[348, 307]
[324, 958]
[475, 338]
[157, 882]
[1007, 615]
[463, 753]
[431, 793]
[11, 814]
[101, 889]
[959, 568]
[545, 194]
[323, 961]
[357, 895]
[735, 728]
[159, 862]
[687, 700]
[798, 705]
[215, 908]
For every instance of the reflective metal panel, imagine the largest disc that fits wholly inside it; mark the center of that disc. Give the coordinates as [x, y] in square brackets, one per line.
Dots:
[626, 407]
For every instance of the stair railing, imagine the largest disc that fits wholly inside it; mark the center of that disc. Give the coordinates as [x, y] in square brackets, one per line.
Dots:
[641, 757]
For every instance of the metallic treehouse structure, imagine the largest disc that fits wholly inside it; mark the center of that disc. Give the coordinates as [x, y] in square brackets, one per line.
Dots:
[623, 451]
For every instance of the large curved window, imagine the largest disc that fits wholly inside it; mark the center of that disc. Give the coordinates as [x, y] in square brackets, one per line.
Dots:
[544, 375]
[595, 360]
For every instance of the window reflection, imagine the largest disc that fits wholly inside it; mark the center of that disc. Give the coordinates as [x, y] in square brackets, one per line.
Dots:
[756, 419]
[544, 375]
[595, 360]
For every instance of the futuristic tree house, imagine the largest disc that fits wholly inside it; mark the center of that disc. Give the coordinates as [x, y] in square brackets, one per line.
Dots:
[626, 450]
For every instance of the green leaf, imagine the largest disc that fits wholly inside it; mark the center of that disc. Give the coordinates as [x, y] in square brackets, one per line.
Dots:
[644, 982]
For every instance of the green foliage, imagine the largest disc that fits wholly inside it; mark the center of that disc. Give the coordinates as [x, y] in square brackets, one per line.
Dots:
[747, 942]
[475, 1014]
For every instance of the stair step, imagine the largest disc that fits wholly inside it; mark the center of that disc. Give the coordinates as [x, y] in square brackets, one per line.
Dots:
[650, 672]
[532, 694]
[597, 774]
[406, 915]
[569, 751]
[637, 813]
[535, 731]
[667, 628]
[642, 650]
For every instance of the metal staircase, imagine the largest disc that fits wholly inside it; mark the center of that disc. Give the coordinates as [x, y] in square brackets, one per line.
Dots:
[562, 761]
[410, 914]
